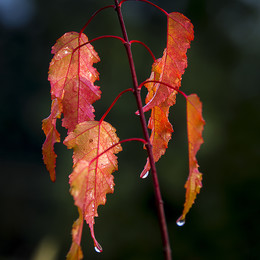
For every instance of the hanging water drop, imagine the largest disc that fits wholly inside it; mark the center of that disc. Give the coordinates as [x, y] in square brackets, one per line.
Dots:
[98, 250]
[145, 175]
[98, 247]
[180, 222]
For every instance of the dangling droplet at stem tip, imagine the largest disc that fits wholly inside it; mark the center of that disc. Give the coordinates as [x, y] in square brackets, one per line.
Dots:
[98, 248]
[180, 221]
[143, 176]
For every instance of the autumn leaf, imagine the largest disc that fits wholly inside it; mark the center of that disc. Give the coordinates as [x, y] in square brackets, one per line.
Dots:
[52, 137]
[94, 163]
[72, 78]
[75, 252]
[73, 92]
[158, 123]
[195, 124]
[169, 70]
[174, 60]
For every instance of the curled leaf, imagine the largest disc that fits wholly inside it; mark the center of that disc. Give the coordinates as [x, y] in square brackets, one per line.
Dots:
[173, 63]
[169, 70]
[195, 125]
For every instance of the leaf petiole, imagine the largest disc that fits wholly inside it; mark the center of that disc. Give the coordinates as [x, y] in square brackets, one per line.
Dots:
[148, 2]
[120, 142]
[93, 16]
[98, 38]
[113, 103]
[146, 47]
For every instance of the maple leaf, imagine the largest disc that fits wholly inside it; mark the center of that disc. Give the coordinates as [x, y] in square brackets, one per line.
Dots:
[195, 125]
[94, 163]
[52, 137]
[169, 70]
[72, 78]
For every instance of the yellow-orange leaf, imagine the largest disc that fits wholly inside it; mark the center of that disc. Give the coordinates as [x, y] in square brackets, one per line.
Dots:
[195, 125]
[52, 137]
[92, 176]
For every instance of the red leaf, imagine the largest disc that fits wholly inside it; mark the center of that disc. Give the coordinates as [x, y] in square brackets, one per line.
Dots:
[161, 129]
[169, 70]
[92, 176]
[72, 78]
[174, 61]
[195, 125]
[52, 137]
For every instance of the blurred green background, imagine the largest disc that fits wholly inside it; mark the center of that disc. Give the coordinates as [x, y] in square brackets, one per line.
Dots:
[224, 70]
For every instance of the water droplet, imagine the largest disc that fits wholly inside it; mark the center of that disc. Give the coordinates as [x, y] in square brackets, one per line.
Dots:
[145, 175]
[98, 250]
[98, 247]
[180, 222]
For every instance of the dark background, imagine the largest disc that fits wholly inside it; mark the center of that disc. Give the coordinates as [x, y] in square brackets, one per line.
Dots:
[224, 70]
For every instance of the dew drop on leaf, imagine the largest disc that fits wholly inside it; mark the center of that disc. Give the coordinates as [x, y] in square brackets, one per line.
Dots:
[180, 222]
[145, 175]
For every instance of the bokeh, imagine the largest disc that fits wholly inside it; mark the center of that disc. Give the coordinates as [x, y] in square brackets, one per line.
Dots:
[37, 215]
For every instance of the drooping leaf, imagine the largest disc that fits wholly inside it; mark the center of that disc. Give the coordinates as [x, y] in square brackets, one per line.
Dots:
[92, 176]
[72, 77]
[75, 252]
[195, 125]
[174, 60]
[52, 137]
[168, 69]
[158, 123]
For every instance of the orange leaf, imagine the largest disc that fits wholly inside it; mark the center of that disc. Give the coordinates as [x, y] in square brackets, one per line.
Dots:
[52, 137]
[92, 176]
[75, 252]
[195, 125]
[168, 69]
[174, 60]
[72, 78]
[161, 132]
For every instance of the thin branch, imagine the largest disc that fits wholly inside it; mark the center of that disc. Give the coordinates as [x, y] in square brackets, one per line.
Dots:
[158, 197]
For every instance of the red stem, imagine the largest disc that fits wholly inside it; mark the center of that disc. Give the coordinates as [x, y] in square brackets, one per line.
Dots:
[115, 100]
[148, 2]
[92, 17]
[120, 142]
[158, 197]
[98, 38]
[147, 48]
[163, 83]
